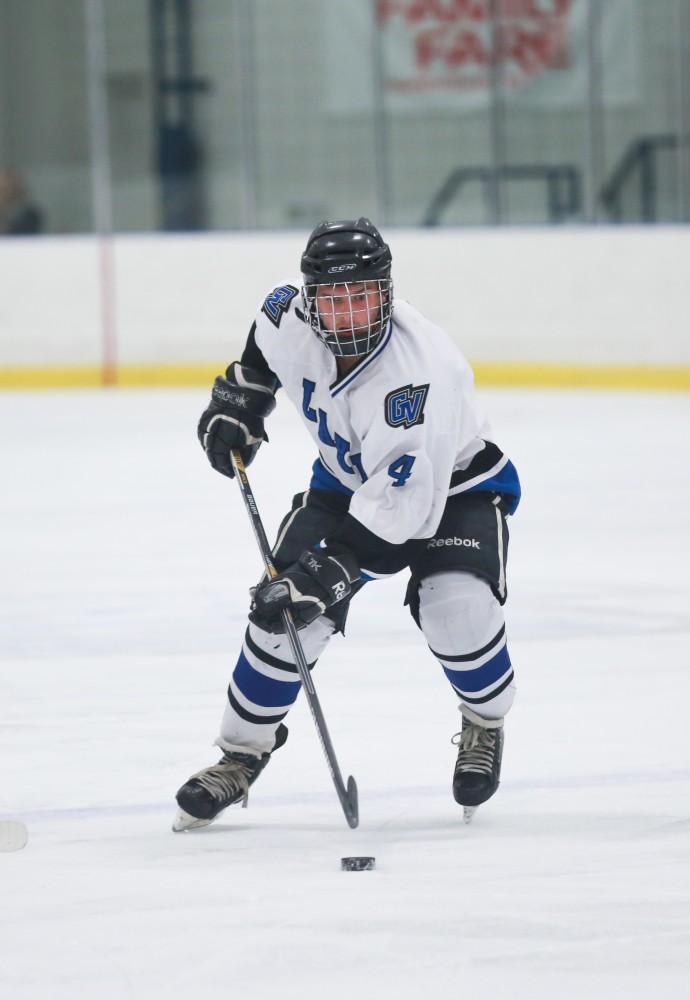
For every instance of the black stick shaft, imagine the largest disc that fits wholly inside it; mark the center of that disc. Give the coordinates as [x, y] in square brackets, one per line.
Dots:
[347, 796]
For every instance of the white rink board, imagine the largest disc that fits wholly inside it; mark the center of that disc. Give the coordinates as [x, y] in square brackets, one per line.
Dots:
[578, 295]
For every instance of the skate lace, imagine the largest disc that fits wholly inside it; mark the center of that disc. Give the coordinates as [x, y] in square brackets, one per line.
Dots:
[225, 779]
[476, 747]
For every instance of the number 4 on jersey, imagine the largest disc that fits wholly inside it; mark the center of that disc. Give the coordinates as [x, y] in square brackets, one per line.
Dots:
[401, 469]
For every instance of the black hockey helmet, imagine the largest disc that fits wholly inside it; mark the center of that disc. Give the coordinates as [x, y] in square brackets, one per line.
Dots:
[352, 250]
[348, 253]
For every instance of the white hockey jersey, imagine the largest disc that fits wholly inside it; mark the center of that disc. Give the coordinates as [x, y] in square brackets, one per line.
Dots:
[400, 431]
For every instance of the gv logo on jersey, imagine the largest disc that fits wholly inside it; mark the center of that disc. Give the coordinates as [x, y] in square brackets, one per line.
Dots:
[405, 406]
[278, 302]
[400, 470]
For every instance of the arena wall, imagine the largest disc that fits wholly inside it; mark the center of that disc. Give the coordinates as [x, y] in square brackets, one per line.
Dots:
[572, 306]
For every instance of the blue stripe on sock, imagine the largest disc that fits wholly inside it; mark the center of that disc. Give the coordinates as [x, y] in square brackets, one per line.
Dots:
[264, 692]
[481, 677]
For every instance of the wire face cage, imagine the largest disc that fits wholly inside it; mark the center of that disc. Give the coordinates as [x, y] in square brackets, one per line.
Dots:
[350, 317]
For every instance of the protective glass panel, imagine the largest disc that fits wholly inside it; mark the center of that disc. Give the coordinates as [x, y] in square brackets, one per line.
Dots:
[181, 115]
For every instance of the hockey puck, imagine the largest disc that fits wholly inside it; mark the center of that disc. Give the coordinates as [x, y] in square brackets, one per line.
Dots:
[357, 864]
[13, 835]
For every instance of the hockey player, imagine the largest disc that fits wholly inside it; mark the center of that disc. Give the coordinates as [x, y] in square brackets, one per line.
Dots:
[407, 478]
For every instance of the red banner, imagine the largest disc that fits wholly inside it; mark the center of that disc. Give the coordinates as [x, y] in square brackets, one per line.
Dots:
[446, 53]
[455, 44]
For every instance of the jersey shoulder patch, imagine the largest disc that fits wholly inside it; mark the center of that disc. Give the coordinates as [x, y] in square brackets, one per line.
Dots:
[404, 407]
[278, 302]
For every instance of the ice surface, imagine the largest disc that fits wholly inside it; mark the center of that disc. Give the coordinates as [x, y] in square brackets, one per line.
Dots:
[125, 566]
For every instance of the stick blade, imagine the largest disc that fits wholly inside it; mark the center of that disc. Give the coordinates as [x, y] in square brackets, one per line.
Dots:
[352, 808]
[13, 835]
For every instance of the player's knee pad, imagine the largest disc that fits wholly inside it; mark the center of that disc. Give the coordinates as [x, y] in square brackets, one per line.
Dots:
[463, 623]
[269, 645]
[457, 612]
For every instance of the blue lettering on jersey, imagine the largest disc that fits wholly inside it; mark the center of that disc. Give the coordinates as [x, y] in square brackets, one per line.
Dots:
[401, 470]
[307, 392]
[324, 433]
[357, 462]
[278, 303]
[342, 447]
[404, 407]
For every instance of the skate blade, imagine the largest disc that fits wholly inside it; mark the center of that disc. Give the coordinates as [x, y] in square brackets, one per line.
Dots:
[183, 821]
[468, 812]
[13, 835]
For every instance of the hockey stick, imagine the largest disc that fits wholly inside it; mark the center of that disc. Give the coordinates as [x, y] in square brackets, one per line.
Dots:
[347, 796]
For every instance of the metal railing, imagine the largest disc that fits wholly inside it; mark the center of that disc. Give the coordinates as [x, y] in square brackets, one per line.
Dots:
[640, 160]
[562, 185]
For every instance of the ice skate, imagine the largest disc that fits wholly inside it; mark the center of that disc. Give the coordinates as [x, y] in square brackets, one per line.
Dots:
[204, 797]
[478, 767]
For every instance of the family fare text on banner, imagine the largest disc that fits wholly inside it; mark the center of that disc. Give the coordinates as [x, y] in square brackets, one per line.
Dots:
[445, 53]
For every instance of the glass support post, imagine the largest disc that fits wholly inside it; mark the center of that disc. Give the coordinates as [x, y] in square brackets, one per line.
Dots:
[494, 189]
[594, 130]
[382, 174]
[101, 179]
[683, 22]
[245, 87]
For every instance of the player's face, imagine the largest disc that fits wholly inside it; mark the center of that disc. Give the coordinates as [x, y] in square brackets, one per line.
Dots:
[349, 308]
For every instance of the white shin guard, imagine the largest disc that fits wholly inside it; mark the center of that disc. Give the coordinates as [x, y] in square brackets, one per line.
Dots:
[262, 690]
[464, 625]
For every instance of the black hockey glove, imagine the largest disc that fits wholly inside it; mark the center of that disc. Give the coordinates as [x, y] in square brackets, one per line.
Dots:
[319, 579]
[235, 416]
